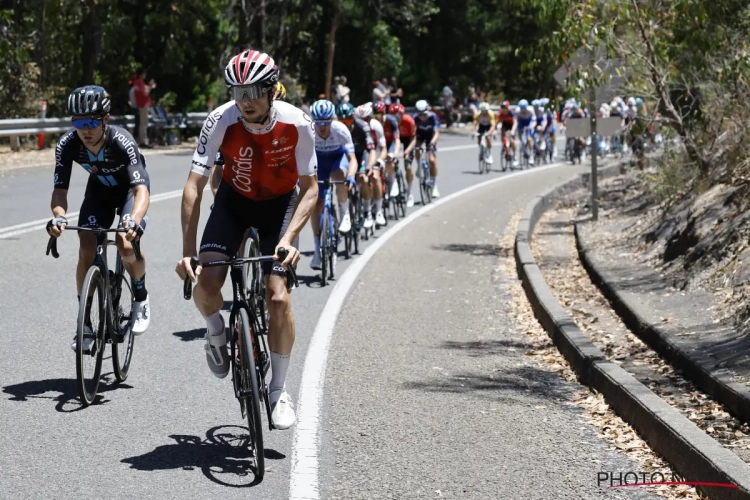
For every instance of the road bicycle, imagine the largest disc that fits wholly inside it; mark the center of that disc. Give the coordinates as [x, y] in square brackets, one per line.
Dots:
[484, 167]
[102, 295]
[507, 156]
[329, 233]
[248, 348]
[423, 174]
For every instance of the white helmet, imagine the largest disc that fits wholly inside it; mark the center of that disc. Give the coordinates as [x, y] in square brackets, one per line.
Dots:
[484, 107]
[422, 106]
[364, 111]
[251, 67]
[631, 101]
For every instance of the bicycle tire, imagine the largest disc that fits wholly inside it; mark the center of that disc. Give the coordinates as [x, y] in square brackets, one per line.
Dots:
[481, 159]
[93, 284]
[324, 243]
[250, 392]
[354, 231]
[428, 186]
[255, 284]
[401, 192]
[122, 352]
[334, 250]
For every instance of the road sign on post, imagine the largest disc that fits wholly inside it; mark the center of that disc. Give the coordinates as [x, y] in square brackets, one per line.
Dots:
[594, 61]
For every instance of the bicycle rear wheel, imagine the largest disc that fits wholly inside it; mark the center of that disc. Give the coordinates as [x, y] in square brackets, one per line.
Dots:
[123, 340]
[92, 312]
[401, 192]
[249, 389]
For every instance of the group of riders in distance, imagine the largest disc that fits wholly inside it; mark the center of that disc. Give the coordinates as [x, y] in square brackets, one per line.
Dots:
[271, 168]
[529, 130]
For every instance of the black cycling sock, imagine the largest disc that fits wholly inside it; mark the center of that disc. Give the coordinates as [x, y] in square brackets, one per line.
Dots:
[139, 288]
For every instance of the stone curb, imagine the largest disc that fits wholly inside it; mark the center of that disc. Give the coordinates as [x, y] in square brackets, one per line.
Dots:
[701, 370]
[691, 451]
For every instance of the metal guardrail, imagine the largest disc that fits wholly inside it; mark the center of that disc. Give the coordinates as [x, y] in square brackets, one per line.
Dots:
[34, 126]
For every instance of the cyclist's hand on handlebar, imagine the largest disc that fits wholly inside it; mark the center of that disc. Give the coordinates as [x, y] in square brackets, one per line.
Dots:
[135, 230]
[292, 254]
[351, 180]
[184, 270]
[56, 226]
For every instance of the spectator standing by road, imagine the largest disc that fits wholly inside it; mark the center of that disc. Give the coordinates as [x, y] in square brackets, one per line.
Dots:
[343, 91]
[378, 94]
[134, 106]
[447, 99]
[397, 93]
[143, 101]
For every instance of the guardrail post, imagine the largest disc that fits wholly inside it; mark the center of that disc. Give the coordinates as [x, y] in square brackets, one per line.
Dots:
[41, 142]
[15, 143]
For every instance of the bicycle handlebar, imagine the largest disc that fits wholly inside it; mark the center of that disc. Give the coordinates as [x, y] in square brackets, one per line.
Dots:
[52, 243]
[194, 263]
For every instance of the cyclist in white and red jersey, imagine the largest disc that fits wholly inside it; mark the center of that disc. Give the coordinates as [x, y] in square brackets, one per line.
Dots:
[364, 112]
[267, 146]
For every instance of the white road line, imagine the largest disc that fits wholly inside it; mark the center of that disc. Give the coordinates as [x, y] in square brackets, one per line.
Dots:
[26, 227]
[304, 479]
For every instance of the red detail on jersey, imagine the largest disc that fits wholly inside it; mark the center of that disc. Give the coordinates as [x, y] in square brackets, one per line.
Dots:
[407, 127]
[260, 166]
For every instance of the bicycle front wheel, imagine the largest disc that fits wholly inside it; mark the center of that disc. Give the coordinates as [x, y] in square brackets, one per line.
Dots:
[249, 390]
[325, 240]
[91, 332]
[123, 340]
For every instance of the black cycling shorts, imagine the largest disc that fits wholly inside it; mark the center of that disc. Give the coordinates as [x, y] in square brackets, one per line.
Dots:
[483, 129]
[431, 148]
[101, 203]
[234, 213]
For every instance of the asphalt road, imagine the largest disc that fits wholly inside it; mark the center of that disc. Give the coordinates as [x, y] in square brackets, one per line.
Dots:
[395, 426]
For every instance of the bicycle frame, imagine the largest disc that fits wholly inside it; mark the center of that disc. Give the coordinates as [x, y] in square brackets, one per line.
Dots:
[100, 261]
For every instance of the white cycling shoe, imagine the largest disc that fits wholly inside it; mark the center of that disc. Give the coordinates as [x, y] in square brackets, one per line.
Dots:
[282, 409]
[410, 201]
[88, 342]
[142, 314]
[380, 218]
[217, 354]
[346, 223]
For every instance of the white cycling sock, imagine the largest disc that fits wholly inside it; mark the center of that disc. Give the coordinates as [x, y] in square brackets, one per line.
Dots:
[214, 323]
[366, 206]
[434, 182]
[378, 205]
[317, 244]
[279, 367]
[344, 208]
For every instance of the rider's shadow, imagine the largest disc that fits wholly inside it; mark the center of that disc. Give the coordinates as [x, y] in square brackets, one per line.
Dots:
[223, 457]
[64, 391]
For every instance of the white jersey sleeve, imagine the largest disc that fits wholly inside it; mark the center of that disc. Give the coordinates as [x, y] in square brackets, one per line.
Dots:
[211, 137]
[343, 135]
[307, 161]
[379, 133]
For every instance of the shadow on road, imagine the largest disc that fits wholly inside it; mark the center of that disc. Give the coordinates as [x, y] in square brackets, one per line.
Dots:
[482, 250]
[476, 348]
[223, 456]
[66, 389]
[504, 384]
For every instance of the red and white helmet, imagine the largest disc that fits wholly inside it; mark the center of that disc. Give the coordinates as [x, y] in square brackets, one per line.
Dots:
[365, 111]
[380, 108]
[251, 67]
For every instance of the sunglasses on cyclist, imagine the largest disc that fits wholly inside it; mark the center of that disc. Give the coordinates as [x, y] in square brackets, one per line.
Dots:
[347, 121]
[248, 92]
[82, 123]
[322, 123]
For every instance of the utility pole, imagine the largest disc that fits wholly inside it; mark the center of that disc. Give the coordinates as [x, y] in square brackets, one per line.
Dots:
[594, 142]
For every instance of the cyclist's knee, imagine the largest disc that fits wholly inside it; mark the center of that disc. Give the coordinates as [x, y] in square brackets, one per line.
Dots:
[279, 296]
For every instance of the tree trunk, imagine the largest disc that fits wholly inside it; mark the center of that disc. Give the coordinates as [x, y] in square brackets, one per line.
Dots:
[91, 31]
[41, 59]
[332, 47]
[263, 25]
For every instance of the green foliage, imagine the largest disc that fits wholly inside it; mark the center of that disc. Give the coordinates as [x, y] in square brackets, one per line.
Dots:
[49, 48]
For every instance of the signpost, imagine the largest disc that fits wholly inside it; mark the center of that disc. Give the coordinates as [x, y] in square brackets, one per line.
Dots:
[606, 67]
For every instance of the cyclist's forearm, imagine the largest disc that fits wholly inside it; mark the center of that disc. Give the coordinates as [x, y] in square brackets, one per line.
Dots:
[383, 153]
[59, 202]
[305, 205]
[191, 212]
[371, 158]
[435, 137]
[141, 202]
[352, 165]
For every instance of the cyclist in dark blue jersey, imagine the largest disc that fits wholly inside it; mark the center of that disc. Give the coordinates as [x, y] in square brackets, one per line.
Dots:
[118, 182]
[428, 131]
